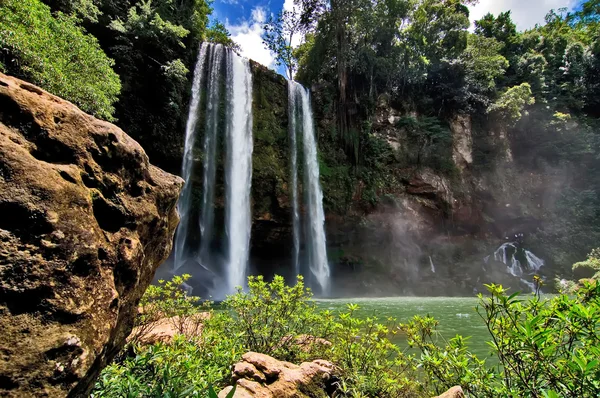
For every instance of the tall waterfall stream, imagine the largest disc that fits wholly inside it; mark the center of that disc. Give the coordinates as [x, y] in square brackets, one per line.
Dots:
[221, 109]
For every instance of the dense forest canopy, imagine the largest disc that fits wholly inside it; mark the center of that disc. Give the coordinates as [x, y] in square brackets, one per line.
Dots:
[540, 87]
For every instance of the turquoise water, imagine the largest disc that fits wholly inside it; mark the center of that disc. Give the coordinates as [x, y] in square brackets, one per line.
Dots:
[456, 315]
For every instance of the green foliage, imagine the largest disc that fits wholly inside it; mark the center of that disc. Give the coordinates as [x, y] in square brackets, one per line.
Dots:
[87, 10]
[592, 263]
[217, 33]
[154, 44]
[544, 347]
[271, 316]
[56, 54]
[372, 366]
[182, 368]
[429, 143]
[511, 104]
[590, 269]
[278, 37]
[144, 20]
[185, 367]
[483, 62]
[169, 300]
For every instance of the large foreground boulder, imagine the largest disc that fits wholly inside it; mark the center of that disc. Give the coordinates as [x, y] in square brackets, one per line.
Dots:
[85, 220]
[261, 376]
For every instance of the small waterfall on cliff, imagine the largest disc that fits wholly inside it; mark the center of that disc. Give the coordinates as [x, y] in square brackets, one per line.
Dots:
[239, 169]
[314, 229]
[507, 254]
[432, 265]
[195, 234]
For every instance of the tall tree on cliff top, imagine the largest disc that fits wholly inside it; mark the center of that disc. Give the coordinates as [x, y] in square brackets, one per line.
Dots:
[339, 13]
[280, 34]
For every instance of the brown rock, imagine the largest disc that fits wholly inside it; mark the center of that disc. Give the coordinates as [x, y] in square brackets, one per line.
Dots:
[454, 392]
[261, 376]
[164, 329]
[306, 342]
[462, 138]
[85, 220]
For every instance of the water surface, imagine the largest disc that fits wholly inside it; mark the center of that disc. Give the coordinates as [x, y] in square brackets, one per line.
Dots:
[456, 315]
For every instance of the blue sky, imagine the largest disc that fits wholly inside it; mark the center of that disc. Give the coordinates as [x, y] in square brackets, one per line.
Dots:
[245, 18]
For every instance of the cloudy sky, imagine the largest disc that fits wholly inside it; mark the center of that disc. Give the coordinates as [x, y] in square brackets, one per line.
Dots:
[245, 18]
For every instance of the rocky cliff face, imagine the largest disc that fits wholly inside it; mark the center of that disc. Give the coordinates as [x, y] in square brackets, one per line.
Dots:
[425, 192]
[85, 220]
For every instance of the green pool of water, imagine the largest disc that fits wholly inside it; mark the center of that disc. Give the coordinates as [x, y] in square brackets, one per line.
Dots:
[456, 315]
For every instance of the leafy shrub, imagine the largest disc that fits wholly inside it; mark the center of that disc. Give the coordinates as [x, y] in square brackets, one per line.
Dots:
[271, 316]
[182, 368]
[545, 348]
[371, 365]
[590, 269]
[169, 300]
[56, 54]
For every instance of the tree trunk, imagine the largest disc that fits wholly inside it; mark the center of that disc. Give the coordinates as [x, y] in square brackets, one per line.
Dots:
[339, 8]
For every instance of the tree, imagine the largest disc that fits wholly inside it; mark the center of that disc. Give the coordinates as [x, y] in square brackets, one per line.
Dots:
[512, 103]
[280, 33]
[483, 62]
[56, 54]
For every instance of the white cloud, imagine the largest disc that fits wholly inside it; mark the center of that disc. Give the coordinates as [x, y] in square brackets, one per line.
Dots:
[525, 13]
[288, 5]
[248, 35]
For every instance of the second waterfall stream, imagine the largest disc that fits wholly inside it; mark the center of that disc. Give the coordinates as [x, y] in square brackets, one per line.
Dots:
[211, 243]
[301, 122]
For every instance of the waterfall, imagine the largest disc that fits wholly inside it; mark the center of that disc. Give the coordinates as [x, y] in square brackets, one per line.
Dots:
[294, 174]
[533, 261]
[314, 230]
[507, 254]
[185, 200]
[432, 265]
[210, 153]
[208, 76]
[239, 169]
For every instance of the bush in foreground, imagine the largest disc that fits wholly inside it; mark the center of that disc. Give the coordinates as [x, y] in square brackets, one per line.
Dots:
[544, 348]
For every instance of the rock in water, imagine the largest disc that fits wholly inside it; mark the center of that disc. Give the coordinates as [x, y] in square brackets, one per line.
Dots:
[261, 376]
[85, 220]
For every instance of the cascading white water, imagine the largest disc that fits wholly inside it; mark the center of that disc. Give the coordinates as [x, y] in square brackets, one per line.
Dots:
[208, 77]
[315, 223]
[292, 105]
[432, 265]
[185, 200]
[509, 259]
[533, 261]
[507, 254]
[239, 169]
[210, 152]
